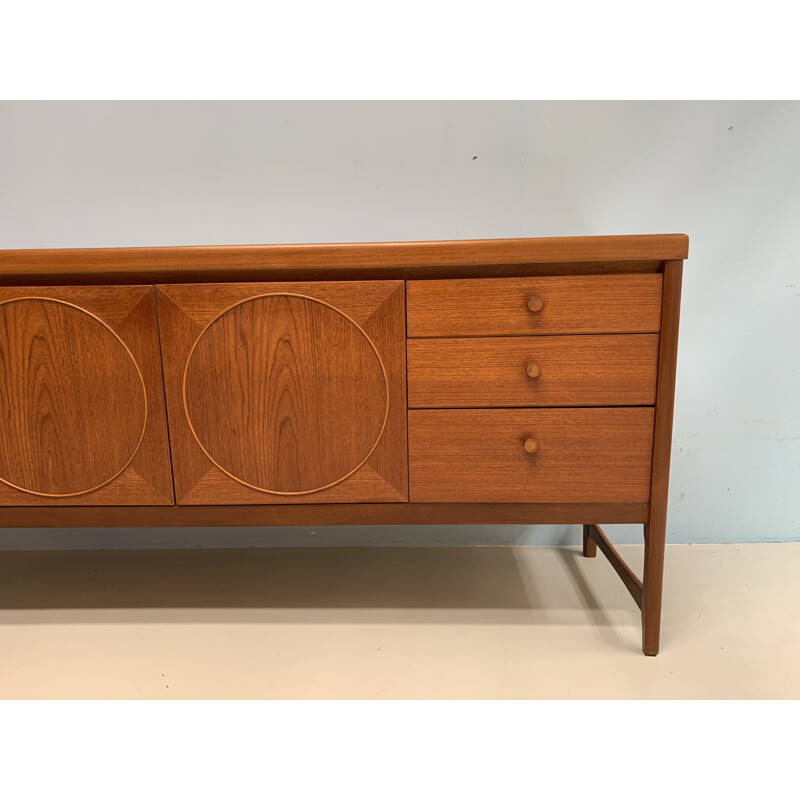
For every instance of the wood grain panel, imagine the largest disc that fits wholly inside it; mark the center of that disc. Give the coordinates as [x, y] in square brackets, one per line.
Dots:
[532, 371]
[582, 455]
[81, 398]
[287, 388]
[204, 302]
[286, 394]
[72, 401]
[565, 304]
[328, 261]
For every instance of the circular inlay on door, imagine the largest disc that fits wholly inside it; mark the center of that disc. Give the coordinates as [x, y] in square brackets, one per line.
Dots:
[72, 400]
[285, 394]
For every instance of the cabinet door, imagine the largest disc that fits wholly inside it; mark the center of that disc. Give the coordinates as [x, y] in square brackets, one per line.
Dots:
[81, 398]
[286, 392]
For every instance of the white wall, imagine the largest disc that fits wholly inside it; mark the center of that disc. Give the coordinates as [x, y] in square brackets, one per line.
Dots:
[727, 173]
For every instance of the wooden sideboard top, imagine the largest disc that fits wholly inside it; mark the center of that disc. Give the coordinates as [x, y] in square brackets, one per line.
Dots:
[345, 261]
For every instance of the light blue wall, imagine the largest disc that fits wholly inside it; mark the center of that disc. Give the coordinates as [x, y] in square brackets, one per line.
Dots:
[728, 174]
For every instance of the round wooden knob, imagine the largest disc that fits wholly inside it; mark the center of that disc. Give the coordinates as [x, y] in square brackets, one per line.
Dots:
[530, 445]
[534, 303]
[533, 370]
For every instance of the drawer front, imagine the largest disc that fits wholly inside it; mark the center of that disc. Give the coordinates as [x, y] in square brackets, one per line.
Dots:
[533, 371]
[509, 306]
[577, 455]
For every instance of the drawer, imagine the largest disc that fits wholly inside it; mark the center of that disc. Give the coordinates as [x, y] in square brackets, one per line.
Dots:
[580, 455]
[509, 306]
[608, 370]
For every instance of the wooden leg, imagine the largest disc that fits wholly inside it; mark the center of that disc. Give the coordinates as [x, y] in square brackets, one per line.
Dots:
[655, 531]
[589, 547]
[654, 546]
[626, 574]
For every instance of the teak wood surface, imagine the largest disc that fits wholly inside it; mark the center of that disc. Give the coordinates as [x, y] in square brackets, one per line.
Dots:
[564, 304]
[348, 261]
[272, 390]
[582, 455]
[286, 392]
[541, 382]
[533, 371]
[81, 398]
[655, 530]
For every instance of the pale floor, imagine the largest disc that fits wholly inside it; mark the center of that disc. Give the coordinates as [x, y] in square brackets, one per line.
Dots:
[477, 622]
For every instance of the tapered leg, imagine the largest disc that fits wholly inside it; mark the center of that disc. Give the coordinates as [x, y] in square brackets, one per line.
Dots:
[589, 546]
[654, 547]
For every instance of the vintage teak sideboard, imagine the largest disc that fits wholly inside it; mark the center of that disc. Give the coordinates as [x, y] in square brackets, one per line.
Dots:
[485, 381]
